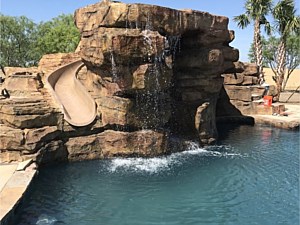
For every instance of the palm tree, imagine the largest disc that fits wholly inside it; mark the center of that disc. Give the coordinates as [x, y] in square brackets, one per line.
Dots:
[287, 23]
[256, 12]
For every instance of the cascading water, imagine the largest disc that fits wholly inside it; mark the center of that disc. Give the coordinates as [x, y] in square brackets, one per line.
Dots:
[173, 46]
[114, 69]
[115, 79]
[148, 98]
[155, 97]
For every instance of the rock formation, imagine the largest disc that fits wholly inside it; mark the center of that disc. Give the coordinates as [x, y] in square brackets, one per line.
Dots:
[241, 94]
[154, 72]
[155, 66]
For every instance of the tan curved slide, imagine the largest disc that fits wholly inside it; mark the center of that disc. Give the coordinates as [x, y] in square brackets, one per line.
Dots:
[78, 106]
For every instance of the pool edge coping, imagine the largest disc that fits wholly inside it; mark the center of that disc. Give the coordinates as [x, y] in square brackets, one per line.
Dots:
[14, 190]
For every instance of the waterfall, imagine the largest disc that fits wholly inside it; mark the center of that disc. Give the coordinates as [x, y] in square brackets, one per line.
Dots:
[114, 69]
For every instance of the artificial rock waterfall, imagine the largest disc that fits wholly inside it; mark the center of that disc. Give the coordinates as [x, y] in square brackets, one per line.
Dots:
[154, 73]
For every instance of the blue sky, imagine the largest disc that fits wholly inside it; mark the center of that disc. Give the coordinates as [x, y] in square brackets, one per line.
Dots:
[43, 10]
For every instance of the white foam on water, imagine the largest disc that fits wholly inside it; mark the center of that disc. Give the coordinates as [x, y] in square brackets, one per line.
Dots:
[163, 163]
[152, 165]
[46, 220]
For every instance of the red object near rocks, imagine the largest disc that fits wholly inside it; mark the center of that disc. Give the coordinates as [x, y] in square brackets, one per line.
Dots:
[268, 100]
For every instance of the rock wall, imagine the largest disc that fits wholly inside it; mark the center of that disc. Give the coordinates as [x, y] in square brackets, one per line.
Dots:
[154, 72]
[241, 94]
[28, 118]
[32, 124]
[155, 67]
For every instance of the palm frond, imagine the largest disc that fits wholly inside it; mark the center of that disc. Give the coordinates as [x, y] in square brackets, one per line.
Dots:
[285, 17]
[268, 28]
[242, 20]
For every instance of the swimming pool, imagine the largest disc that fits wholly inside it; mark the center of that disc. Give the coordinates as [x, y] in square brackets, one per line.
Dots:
[250, 177]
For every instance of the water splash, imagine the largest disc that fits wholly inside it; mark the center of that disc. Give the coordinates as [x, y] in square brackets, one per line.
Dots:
[166, 163]
[151, 165]
[46, 220]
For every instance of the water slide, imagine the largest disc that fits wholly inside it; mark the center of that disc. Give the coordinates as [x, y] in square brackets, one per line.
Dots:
[78, 106]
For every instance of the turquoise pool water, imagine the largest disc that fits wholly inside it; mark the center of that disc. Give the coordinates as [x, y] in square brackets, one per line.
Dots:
[250, 177]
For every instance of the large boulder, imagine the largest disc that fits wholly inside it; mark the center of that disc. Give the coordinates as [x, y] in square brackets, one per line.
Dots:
[22, 82]
[50, 62]
[28, 113]
[38, 137]
[11, 139]
[205, 123]
[116, 143]
[136, 16]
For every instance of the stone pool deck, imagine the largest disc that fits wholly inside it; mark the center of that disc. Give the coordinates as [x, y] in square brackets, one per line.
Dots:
[14, 181]
[289, 120]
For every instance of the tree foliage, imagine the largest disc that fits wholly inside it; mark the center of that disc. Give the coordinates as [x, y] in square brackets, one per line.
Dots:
[58, 35]
[24, 42]
[17, 42]
[270, 54]
[281, 51]
[256, 11]
[287, 23]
